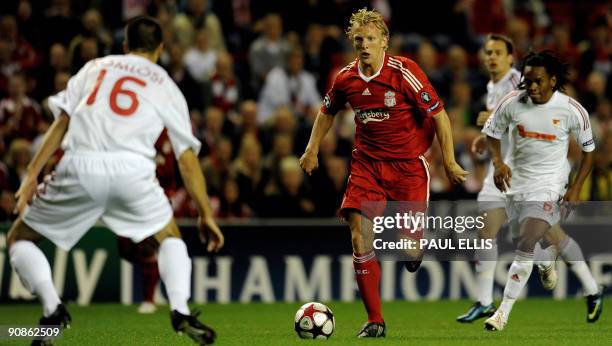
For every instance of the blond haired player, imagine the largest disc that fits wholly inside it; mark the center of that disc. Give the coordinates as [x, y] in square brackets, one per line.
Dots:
[397, 113]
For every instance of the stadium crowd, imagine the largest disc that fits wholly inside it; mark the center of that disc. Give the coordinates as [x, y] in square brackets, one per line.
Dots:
[253, 73]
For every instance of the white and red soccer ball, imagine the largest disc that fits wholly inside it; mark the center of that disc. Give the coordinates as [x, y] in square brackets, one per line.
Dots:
[314, 321]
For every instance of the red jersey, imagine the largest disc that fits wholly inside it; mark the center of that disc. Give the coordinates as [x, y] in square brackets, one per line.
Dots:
[393, 108]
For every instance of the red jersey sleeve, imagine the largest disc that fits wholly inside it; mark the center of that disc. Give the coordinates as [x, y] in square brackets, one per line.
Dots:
[417, 87]
[335, 99]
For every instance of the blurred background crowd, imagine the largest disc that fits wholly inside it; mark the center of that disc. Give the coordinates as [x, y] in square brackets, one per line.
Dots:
[254, 72]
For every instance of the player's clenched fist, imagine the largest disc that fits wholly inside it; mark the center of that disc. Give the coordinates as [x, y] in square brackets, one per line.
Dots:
[309, 162]
[455, 173]
[502, 177]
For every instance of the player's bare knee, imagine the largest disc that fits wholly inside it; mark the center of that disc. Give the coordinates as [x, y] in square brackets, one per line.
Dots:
[171, 230]
[493, 221]
[555, 235]
[356, 241]
[359, 241]
[526, 243]
[20, 231]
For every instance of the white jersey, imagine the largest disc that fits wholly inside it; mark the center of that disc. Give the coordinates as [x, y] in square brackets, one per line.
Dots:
[121, 103]
[495, 93]
[539, 136]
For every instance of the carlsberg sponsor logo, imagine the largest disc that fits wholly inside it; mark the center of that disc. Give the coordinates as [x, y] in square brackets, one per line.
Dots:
[366, 116]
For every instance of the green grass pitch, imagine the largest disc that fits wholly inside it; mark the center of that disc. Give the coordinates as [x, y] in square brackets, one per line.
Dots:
[533, 321]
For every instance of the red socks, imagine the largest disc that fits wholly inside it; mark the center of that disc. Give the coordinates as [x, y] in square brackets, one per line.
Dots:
[367, 275]
[150, 277]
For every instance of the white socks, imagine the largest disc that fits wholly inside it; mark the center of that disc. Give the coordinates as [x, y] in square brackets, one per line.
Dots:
[35, 273]
[544, 257]
[572, 254]
[485, 269]
[518, 275]
[175, 271]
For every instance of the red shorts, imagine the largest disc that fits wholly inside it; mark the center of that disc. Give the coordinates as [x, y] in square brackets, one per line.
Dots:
[372, 183]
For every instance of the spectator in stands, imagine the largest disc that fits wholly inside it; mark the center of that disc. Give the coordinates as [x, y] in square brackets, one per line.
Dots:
[293, 198]
[217, 166]
[182, 77]
[493, 21]
[457, 68]
[427, 58]
[248, 172]
[60, 81]
[328, 182]
[93, 28]
[282, 147]
[200, 59]
[21, 51]
[313, 42]
[49, 27]
[518, 30]
[7, 204]
[290, 86]
[59, 23]
[20, 116]
[595, 90]
[198, 16]
[283, 122]
[211, 134]
[229, 204]
[8, 67]
[337, 171]
[86, 50]
[45, 76]
[267, 51]
[245, 123]
[561, 43]
[225, 87]
[467, 106]
[17, 159]
[601, 120]
[28, 24]
[598, 54]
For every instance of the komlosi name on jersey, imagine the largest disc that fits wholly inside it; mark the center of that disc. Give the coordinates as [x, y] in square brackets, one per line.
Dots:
[378, 114]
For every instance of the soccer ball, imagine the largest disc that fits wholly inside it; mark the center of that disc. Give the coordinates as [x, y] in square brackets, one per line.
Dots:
[314, 321]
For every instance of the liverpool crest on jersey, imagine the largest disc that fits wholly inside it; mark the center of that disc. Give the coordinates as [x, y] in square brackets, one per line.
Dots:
[389, 99]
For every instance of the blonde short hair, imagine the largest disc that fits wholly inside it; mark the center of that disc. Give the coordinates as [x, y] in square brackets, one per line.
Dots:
[363, 17]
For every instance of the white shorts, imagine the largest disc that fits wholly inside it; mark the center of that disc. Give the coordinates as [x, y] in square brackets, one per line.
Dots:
[490, 197]
[543, 205]
[120, 189]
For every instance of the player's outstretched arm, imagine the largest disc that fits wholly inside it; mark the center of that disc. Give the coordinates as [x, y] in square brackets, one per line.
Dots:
[503, 173]
[309, 161]
[454, 172]
[189, 166]
[50, 143]
[586, 165]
